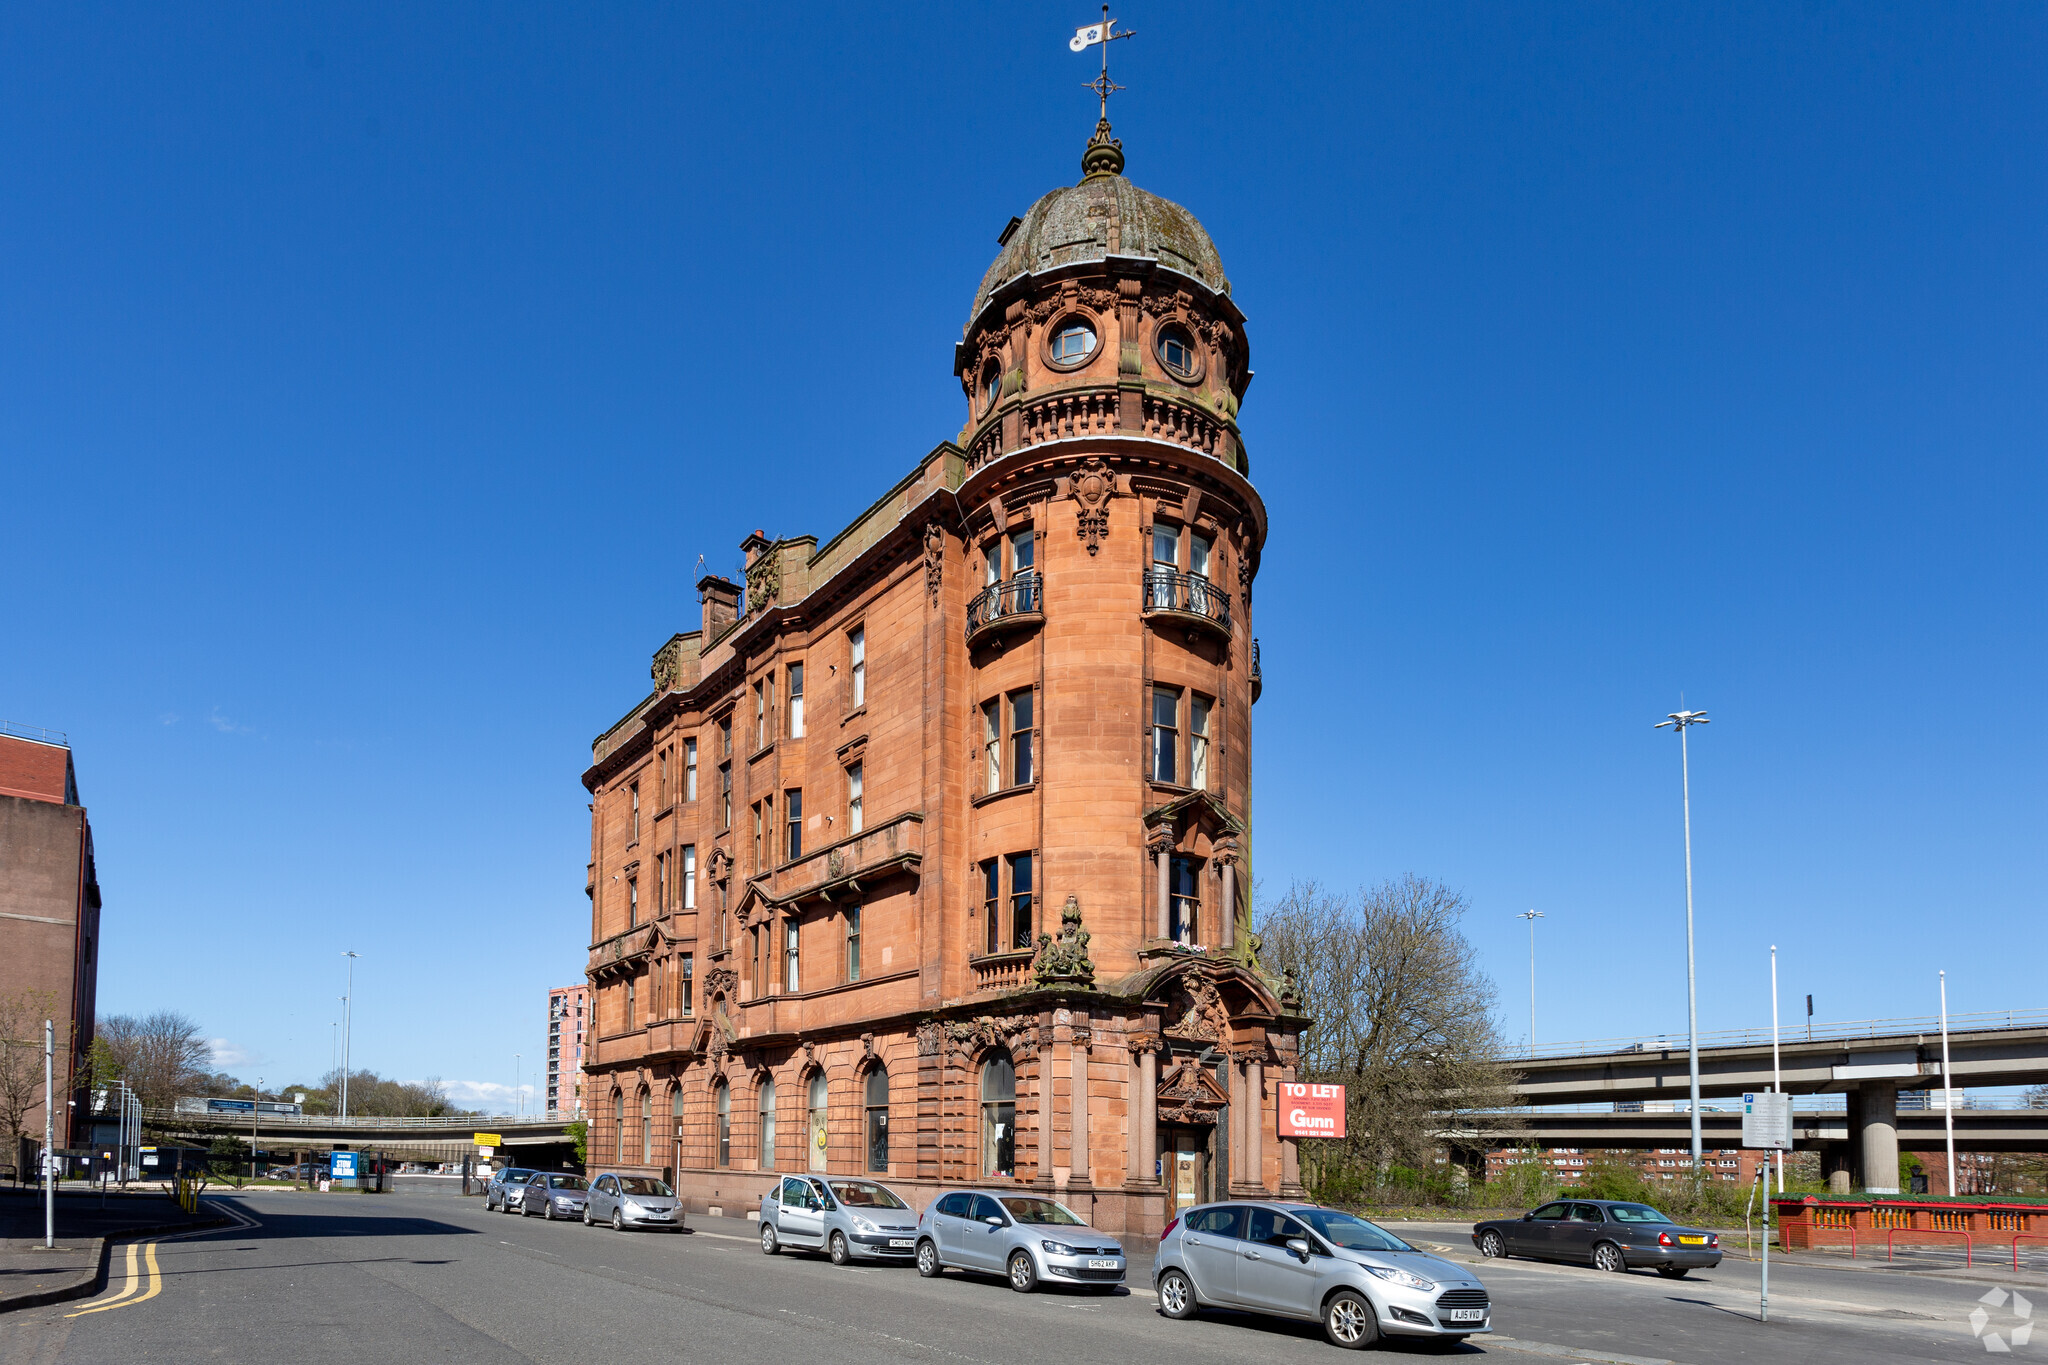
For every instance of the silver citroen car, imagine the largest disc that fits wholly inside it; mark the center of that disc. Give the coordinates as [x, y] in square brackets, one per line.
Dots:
[1026, 1238]
[846, 1219]
[1304, 1261]
[631, 1201]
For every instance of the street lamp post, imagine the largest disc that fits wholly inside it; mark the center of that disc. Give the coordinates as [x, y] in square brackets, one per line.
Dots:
[1682, 721]
[1532, 916]
[1777, 1077]
[348, 1019]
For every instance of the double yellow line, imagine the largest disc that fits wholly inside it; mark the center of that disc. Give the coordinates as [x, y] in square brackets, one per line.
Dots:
[141, 1271]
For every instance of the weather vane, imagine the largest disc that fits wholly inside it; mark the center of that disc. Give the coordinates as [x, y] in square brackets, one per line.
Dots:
[1100, 35]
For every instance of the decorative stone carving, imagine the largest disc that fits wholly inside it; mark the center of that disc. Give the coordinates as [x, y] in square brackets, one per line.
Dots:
[722, 981]
[668, 666]
[764, 580]
[1203, 1017]
[931, 1037]
[1091, 486]
[1102, 299]
[1290, 989]
[810, 1052]
[721, 865]
[1064, 960]
[867, 1044]
[934, 560]
[1189, 1094]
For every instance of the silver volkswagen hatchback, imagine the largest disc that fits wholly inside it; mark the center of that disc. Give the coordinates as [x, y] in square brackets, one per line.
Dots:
[1304, 1261]
[631, 1201]
[841, 1217]
[1026, 1238]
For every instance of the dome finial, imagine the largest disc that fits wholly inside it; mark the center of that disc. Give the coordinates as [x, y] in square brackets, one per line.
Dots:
[1105, 154]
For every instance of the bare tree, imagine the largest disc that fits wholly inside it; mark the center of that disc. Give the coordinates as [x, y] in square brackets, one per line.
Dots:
[21, 1060]
[161, 1055]
[1403, 1019]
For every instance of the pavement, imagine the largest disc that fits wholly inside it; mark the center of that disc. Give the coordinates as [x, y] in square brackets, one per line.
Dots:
[31, 1275]
[423, 1276]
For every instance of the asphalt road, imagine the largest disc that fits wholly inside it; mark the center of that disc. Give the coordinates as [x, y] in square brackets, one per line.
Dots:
[431, 1277]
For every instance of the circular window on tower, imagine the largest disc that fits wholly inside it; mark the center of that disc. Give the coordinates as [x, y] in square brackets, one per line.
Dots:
[1178, 354]
[1073, 341]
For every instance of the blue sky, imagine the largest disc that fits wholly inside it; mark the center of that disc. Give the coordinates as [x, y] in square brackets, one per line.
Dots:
[372, 377]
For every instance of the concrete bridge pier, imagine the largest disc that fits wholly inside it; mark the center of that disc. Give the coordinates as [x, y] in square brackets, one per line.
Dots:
[1837, 1167]
[1874, 1134]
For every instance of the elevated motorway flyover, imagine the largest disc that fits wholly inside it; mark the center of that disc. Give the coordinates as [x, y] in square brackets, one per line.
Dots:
[531, 1141]
[1868, 1061]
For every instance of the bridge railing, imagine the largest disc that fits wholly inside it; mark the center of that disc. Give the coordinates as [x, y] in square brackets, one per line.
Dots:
[1851, 1030]
[1819, 1105]
[278, 1122]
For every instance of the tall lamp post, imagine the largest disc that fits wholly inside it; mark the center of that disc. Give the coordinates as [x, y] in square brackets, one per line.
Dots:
[348, 1019]
[1532, 916]
[1682, 721]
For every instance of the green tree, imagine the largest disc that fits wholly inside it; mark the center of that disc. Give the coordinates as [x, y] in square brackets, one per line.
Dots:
[579, 1133]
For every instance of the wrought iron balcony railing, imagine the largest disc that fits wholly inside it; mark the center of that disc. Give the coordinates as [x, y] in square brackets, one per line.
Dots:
[1187, 595]
[1016, 601]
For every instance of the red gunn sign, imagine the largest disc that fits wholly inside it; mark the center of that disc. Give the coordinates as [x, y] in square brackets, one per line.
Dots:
[1311, 1110]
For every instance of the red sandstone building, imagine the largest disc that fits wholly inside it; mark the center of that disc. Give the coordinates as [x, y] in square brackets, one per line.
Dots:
[924, 857]
[49, 912]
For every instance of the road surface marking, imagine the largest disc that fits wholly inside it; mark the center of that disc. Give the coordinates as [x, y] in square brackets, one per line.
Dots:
[154, 1279]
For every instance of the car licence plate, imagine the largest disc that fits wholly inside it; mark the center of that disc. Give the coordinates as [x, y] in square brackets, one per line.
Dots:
[1694, 1241]
[1465, 1315]
[1102, 1265]
[899, 1241]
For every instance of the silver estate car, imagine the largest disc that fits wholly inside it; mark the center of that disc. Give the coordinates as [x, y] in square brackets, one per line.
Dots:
[632, 1201]
[553, 1196]
[1303, 1261]
[1026, 1238]
[509, 1178]
[841, 1217]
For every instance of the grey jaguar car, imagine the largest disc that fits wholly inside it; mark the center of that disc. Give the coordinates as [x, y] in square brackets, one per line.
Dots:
[846, 1219]
[1607, 1234]
[632, 1201]
[553, 1196]
[1304, 1261]
[1026, 1238]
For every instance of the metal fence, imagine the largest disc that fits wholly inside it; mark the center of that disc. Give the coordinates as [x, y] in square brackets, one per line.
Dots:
[1843, 1031]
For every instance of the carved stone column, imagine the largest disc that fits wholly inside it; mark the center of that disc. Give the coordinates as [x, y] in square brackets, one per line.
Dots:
[1161, 846]
[1254, 1122]
[1229, 857]
[1144, 1154]
[1079, 1121]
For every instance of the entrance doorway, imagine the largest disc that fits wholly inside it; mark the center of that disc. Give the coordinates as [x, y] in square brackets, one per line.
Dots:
[1185, 1163]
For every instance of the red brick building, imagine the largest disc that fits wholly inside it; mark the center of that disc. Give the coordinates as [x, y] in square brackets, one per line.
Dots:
[568, 1025]
[925, 856]
[49, 911]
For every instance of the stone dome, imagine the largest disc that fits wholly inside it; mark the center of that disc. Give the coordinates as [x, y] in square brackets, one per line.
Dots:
[1105, 215]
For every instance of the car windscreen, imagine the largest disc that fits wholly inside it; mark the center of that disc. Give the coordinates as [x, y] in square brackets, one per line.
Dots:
[1635, 1213]
[641, 1184]
[862, 1194]
[515, 1173]
[1043, 1212]
[567, 1182]
[1354, 1234]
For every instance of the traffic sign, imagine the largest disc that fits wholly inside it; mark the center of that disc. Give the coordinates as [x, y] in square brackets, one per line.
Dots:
[488, 1139]
[1767, 1121]
[342, 1166]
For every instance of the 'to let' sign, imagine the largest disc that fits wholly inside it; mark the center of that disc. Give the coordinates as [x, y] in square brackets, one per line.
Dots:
[1311, 1110]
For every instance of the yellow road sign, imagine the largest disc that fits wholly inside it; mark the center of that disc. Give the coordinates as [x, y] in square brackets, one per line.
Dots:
[489, 1140]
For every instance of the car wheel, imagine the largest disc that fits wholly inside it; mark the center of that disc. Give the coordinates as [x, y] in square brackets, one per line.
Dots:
[1673, 1272]
[1492, 1245]
[928, 1260]
[1348, 1320]
[586, 1215]
[1023, 1274]
[1177, 1295]
[769, 1244]
[547, 1212]
[618, 1220]
[839, 1252]
[1607, 1256]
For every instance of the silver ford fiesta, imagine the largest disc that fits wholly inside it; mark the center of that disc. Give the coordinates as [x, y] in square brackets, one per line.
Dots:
[1303, 1261]
[1026, 1238]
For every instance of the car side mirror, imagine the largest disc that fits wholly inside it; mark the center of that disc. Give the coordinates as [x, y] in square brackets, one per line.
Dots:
[1299, 1246]
[993, 1221]
[1527, 1216]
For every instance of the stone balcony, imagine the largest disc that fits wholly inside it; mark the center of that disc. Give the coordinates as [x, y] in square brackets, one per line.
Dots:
[1187, 599]
[839, 869]
[1014, 605]
[1123, 410]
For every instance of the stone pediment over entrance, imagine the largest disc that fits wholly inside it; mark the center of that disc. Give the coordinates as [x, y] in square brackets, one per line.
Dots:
[1189, 1094]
